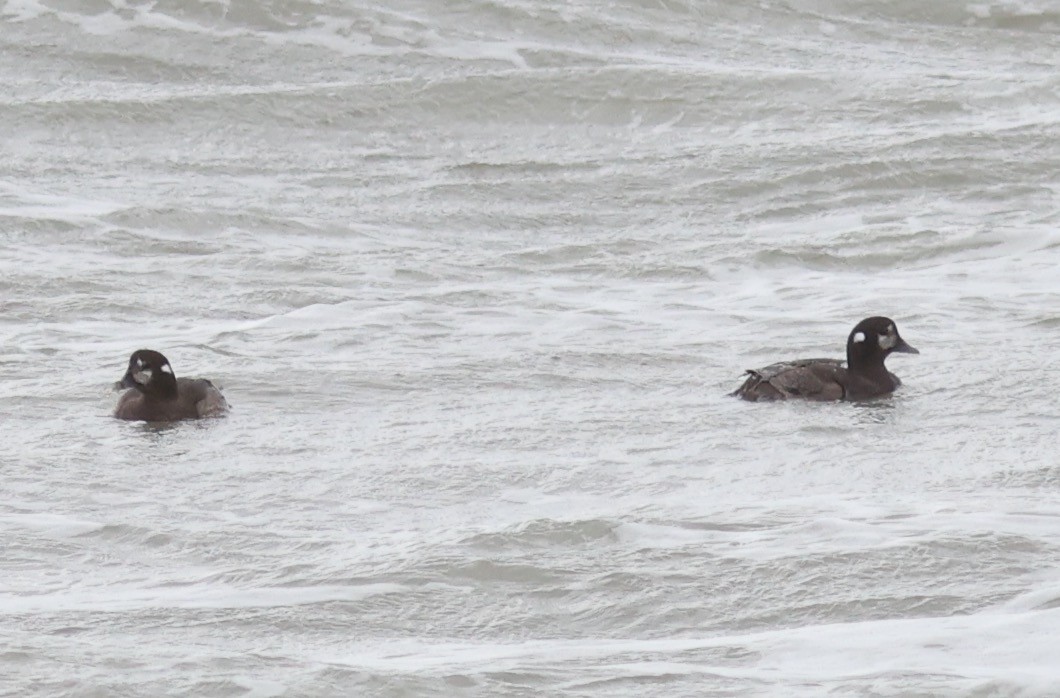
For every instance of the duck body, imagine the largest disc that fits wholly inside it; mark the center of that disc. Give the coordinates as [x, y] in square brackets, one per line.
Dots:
[155, 394]
[862, 376]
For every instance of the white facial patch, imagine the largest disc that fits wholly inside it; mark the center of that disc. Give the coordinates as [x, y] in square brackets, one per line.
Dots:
[858, 337]
[166, 369]
[887, 341]
[142, 377]
[139, 363]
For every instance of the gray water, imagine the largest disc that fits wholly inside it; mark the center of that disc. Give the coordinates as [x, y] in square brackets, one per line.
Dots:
[476, 278]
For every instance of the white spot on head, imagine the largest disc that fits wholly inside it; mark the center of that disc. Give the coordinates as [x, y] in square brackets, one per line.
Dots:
[142, 377]
[887, 341]
[167, 369]
[139, 362]
[858, 337]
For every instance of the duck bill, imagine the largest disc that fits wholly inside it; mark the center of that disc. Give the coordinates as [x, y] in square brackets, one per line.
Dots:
[126, 382]
[904, 347]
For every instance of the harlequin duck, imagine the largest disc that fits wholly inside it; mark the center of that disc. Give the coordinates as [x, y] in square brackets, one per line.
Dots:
[863, 377]
[157, 395]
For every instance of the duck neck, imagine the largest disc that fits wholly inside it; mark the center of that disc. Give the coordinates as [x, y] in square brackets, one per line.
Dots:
[163, 387]
[865, 364]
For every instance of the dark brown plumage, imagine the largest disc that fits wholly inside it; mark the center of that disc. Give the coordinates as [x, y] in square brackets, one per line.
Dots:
[156, 395]
[862, 377]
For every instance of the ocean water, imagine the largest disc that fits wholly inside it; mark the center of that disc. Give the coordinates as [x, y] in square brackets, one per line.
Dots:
[476, 277]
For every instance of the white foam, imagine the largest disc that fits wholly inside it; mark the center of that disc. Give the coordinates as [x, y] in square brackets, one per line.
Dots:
[957, 652]
[52, 524]
[114, 598]
[23, 202]
[22, 10]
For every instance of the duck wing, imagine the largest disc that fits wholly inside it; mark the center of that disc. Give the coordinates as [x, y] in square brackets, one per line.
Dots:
[204, 395]
[807, 379]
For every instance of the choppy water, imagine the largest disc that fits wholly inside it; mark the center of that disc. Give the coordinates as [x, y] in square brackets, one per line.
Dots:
[476, 277]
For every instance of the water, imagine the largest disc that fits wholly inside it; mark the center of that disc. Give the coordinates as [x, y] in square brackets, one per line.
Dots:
[476, 279]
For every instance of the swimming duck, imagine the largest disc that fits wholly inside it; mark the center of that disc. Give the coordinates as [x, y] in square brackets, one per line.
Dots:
[157, 395]
[862, 377]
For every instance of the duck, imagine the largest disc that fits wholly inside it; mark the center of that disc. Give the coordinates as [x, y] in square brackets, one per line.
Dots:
[862, 376]
[155, 394]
